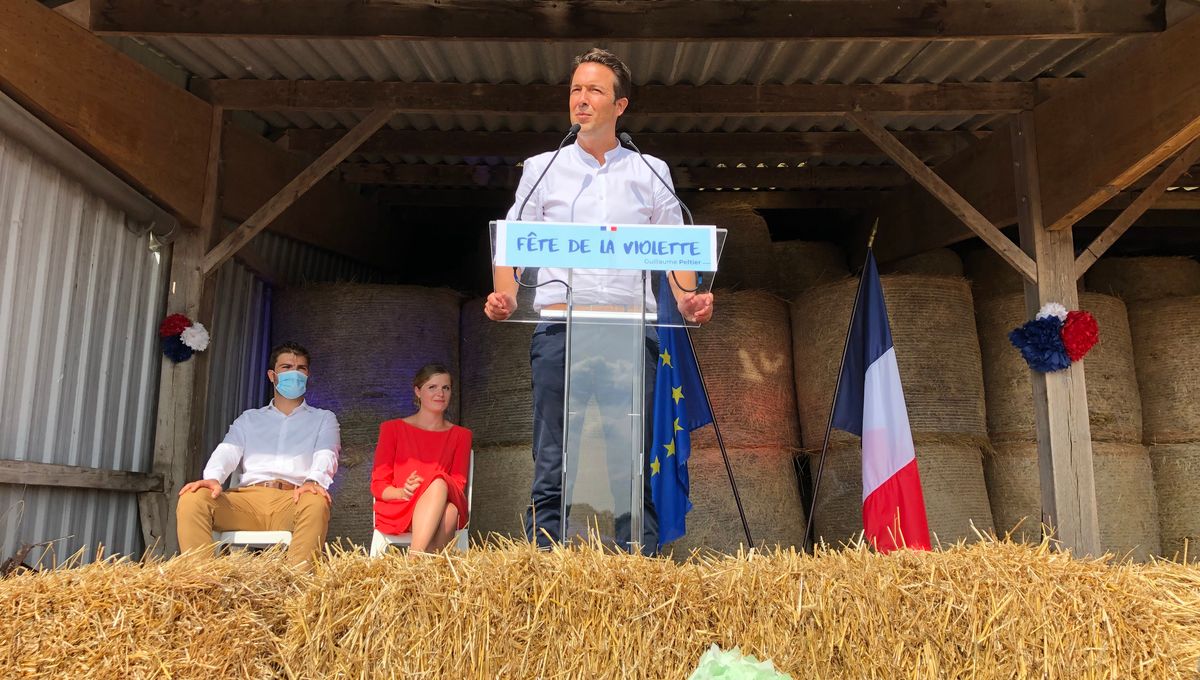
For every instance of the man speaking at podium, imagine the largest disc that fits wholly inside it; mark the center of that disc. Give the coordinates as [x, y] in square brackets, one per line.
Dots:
[598, 181]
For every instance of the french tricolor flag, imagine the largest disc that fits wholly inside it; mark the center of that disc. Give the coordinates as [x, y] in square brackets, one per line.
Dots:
[870, 403]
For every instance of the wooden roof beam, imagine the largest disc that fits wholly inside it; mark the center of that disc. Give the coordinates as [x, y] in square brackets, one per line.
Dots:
[1094, 140]
[666, 145]
[645, 101]
[156, 136]
[506, 177]
[631, 20]
[501, 199]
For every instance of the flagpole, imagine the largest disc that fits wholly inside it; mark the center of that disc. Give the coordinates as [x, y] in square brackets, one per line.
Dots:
[737, 498]
[837, 386]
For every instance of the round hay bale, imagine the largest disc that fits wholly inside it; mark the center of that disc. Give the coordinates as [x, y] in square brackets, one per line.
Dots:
[770, 495]
[1176, 478]
[1114, 407]
[1166, 333]
[936, 262]
[367, 342]
[990, 275]
[933, 329]
[1136, 279]
[1126, 506]
[503, 478]
[494, 390]
[746, 257]
[746, 355]
[800, 265]
[951, 481]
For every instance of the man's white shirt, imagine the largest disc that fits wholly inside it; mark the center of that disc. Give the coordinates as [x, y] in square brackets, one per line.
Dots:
[579, 189]
[270, 445]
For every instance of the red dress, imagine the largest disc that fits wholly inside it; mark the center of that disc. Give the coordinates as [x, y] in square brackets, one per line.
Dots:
[403, 449]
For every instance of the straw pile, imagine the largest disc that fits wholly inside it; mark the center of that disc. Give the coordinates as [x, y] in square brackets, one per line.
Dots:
[181, 618]
[800, 265]
[746, 258]
[1126, 507]
[1176, 472]
[936, 262]
[1135, 279]
[933, 329]
[989, 610]
[1114, 409]
[368, 341]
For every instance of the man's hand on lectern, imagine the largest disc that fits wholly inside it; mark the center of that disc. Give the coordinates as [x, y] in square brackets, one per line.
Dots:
[500, 306]
[696, 307]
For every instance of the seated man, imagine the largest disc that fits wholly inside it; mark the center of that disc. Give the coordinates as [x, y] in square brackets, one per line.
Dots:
[288, 452]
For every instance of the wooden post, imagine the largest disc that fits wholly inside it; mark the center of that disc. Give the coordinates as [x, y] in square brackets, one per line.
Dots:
[1060, 398]
[183, 387]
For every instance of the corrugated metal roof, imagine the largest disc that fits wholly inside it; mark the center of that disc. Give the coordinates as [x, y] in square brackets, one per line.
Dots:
[661, 62]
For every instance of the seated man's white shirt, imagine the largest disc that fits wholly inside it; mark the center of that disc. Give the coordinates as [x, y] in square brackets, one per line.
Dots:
[579, 189]
[270, 445]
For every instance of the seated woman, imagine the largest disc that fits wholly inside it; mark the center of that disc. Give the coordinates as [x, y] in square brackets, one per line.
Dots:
[421, 468]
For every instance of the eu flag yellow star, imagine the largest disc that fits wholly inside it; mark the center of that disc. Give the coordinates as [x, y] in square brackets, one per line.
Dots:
[666, 358]
[678, 427]
[655, 466]
[670, 448]
[677, 394]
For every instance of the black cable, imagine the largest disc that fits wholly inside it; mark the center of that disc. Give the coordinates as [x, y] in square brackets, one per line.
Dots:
[627, 141]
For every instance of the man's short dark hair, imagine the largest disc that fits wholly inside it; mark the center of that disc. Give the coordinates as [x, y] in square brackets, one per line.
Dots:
[624, 83]
[288, 347]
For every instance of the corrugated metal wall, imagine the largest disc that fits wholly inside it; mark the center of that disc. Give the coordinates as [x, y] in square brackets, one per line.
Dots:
[80, 300]
[241, 323]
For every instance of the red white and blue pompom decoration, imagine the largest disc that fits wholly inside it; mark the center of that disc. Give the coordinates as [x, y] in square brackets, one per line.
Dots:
[1055, 338]
[181, 337]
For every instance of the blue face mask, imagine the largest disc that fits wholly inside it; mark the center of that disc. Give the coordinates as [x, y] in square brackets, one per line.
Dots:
[291, 384]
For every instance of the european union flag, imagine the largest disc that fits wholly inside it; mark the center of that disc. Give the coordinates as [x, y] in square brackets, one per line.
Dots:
[679, 408]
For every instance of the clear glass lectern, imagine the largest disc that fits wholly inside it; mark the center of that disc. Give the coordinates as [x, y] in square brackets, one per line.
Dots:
[611, 317]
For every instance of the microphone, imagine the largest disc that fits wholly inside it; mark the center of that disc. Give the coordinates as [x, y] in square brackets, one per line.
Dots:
[627, 141]
[570, 136]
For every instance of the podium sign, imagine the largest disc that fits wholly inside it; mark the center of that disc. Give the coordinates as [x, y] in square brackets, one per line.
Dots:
[606, 287]
[618, 246]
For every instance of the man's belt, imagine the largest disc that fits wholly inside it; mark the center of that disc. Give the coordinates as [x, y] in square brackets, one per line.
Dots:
[274, 484]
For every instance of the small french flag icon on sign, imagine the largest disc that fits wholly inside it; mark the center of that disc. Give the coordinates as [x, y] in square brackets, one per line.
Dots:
[608, 228]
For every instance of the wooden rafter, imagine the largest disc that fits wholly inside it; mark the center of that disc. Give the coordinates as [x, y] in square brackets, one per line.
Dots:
[493, 199]
[294, 189]
[632, 19]
[155, 135]
[666, 145]
[1145, 200]
[506, 177]
[646, 101]
[944, 193]
[1095, 139]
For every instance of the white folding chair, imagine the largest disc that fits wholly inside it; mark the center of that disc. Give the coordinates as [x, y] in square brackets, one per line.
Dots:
[249, 540]
[380, 541]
